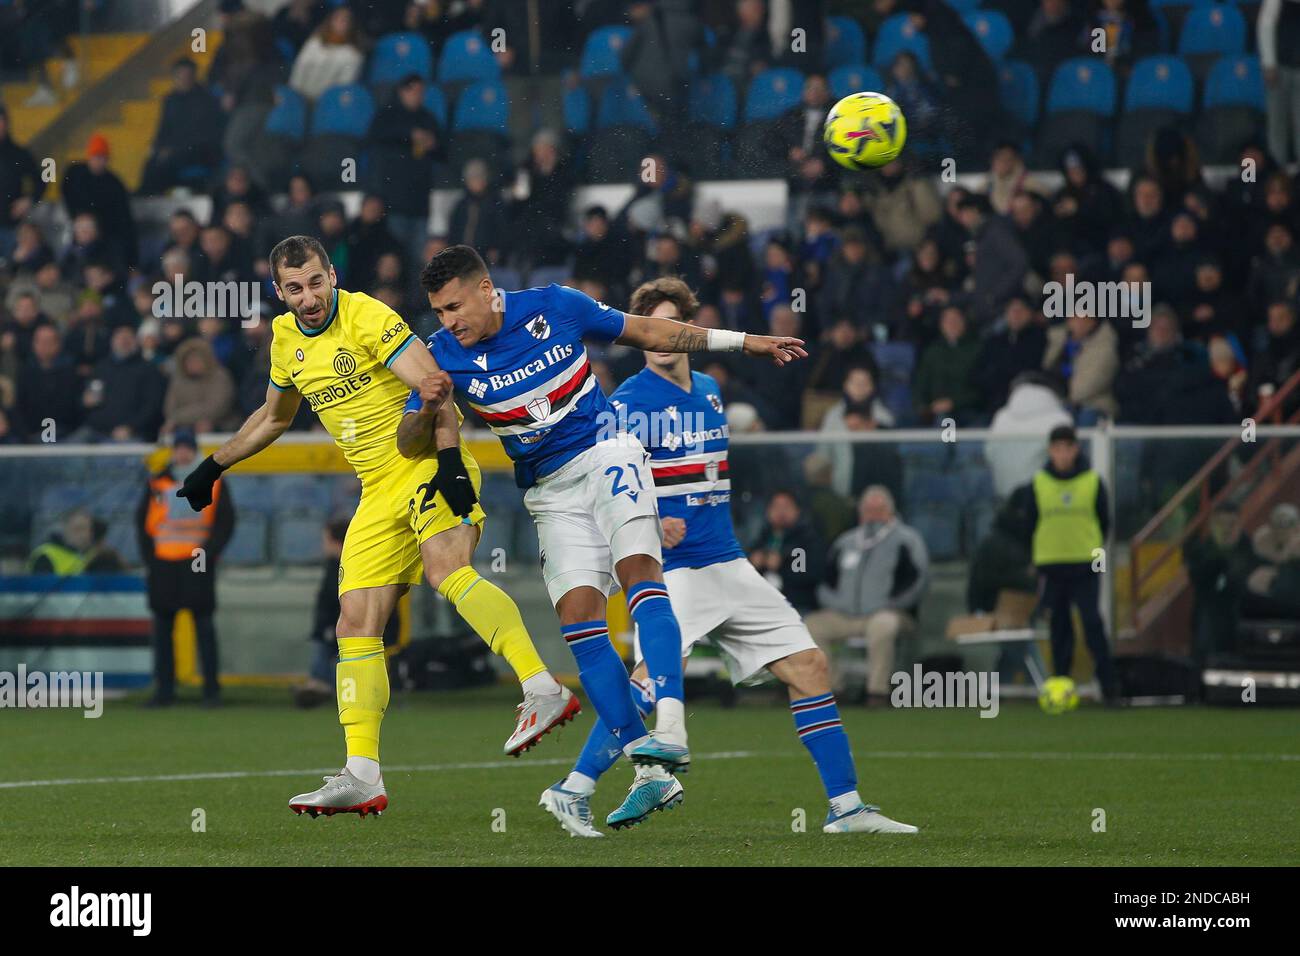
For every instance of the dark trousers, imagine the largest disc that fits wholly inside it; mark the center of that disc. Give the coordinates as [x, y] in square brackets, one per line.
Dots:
[164, 654]
[1078, 585]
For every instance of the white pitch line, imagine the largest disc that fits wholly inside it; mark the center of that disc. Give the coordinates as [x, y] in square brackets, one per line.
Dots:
[1052, 755]
[395, 768]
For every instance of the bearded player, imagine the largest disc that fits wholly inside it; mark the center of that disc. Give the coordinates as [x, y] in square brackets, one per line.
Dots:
[352, 358]
[520, 359]
[714, 590]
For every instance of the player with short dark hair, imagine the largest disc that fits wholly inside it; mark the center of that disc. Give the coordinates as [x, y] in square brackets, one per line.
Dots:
[520, 358]
[715, 592]
[350, 356]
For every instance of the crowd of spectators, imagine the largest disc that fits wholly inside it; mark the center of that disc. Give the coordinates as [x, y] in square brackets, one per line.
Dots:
[924, 301]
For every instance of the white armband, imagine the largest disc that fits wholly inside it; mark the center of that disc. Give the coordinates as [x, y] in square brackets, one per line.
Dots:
[724, 340]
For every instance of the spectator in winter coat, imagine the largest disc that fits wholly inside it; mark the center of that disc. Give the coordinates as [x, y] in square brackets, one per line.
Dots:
[201, 395]
[332, 56]
[1083, 352]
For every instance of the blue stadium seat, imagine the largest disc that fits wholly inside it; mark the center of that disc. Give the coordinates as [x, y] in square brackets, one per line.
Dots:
[297, 540]
[1235, 81]
[602, 53]
[1159, 83]
[508, 279]
[963, 6]
[921, 457]
[939, 525]
[397, 55]
[299, 493]
[713, 101]
[60, 498]
[577, 111]
[545, 275]
[344, 110]
[288, 117]
[993, 31]
[622, 105]
[1019, 87]
[854, 78]
[483, 106]
[1213, 28]
[1082, 84]
[435, 101]
[846, 44]
[466, 58]
[772, 93]
[247, 545]
[898, 34]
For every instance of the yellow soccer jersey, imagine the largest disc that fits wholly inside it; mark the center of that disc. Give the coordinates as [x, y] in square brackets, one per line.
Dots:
[343, 371]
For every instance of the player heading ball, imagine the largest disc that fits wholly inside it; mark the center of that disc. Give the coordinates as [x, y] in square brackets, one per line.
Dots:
[520, 359]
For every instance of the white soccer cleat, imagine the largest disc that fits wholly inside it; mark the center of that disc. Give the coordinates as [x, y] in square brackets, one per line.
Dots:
[864, 818]
[342, 793]
[571, 808]
[539, 714]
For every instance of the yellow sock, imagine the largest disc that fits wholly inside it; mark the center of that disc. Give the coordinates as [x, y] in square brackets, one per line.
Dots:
[362, 693]
[495, 618]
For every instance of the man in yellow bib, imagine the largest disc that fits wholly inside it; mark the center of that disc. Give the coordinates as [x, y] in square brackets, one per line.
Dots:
[1070, 517]
[349, 356]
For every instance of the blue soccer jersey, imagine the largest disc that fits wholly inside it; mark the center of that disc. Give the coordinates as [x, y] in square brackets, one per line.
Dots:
[532, 381]
[686, 435]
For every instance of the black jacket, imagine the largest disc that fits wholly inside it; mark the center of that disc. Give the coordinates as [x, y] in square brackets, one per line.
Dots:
[105, 197]
[19, 176]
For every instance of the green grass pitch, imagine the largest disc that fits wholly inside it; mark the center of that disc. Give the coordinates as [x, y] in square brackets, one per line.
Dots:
[1189, 786]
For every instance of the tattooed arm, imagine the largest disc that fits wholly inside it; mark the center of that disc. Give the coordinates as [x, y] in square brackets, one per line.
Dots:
[654, 334]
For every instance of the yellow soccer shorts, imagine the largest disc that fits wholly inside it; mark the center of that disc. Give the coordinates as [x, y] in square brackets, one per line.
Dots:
[396, 516]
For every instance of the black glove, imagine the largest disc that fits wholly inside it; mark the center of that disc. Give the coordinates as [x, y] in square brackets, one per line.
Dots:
[453, 481]
[197, 487]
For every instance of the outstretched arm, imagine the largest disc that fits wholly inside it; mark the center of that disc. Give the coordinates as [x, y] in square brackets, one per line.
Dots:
[262, 428]
[417, 369]
[654, 334]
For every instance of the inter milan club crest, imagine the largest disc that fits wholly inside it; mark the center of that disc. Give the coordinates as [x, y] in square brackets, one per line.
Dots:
[711, 472]
[299, 356]
[716, 403]
[539, 328]
[344, 364]
[539, 408]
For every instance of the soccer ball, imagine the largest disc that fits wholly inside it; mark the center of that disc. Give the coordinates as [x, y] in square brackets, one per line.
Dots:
[865, 131]
[1058, 695]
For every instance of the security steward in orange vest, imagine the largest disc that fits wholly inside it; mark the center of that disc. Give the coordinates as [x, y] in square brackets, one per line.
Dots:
[180, 550]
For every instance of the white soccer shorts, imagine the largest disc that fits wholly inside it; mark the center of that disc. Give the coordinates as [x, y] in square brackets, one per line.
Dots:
[733, 607]
[587, 516]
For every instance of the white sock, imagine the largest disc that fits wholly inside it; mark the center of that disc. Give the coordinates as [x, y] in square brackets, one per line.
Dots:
[845, 802]
[579, 783]
[364, 769]
[542, 683]
[670, 720]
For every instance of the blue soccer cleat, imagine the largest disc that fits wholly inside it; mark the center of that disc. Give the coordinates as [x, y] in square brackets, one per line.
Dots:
[657, 752]
[654, 788]
[864, 818]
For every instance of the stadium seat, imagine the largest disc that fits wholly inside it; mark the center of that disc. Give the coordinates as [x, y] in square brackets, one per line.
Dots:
[993, 31]
[1209, 32]
[897, 34]
[288, 116]
[577, 111]
[896, 360]
[292, 494]
[1233, 110]
[1018, 84]
[343, 111]
[1159, 93]
[772, 93]
[853, 78]
[247, 547]
[467, 58]
[1170, 15]
[939, 525]
[483, 106]
[435, 101]
[546, 275]
[963, 6]
[339, 124]
[846, 44]
[711, 116]
[297, 540]
[1080, 104]
[397, 55]
[602, 53]
[623, 133]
